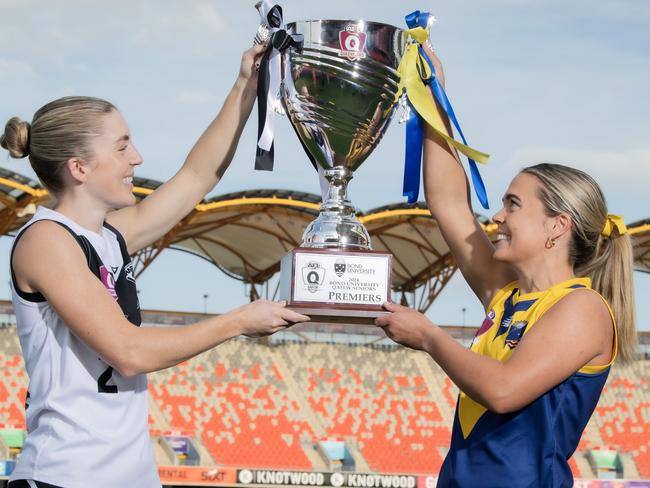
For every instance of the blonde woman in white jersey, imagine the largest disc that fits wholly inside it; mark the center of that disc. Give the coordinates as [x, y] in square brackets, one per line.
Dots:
[74, 292]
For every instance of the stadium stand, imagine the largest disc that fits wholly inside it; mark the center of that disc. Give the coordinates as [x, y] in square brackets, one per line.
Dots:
[13, 381]
[235, 400]
[247, 404]
[622, 418]
[378, 397]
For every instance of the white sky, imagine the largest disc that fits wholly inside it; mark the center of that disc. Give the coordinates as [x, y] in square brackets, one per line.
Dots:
[562, 81]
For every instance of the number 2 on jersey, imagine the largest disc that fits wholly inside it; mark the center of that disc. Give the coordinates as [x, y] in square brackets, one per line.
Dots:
[102, 382]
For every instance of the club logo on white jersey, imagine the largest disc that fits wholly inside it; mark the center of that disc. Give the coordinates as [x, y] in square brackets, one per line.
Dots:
[108, 280]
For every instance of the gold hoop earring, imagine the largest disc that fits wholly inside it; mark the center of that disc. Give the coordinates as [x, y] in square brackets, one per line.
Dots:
[549, 243]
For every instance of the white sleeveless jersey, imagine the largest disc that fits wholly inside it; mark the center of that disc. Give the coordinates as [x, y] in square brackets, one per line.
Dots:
[86, 423]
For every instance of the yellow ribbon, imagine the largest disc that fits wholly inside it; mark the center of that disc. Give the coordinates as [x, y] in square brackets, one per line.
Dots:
[420, 97]
[614, 222]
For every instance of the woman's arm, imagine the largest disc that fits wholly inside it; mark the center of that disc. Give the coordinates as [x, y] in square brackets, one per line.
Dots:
[47, 259]
[206, 163]
[448, 197]
[575, 332]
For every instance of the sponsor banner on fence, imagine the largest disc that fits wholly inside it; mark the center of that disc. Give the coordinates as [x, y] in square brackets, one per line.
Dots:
[427, 481]
[197, 475]
[213, 476]
[336, 480]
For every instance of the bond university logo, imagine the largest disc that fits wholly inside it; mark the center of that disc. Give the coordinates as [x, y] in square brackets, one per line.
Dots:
[313, 275]
[339, 267]
[352, 41]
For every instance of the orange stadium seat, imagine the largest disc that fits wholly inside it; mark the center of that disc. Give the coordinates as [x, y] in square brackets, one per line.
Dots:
[381, 401]
[622, 418]
[240, 405]
[13, 391]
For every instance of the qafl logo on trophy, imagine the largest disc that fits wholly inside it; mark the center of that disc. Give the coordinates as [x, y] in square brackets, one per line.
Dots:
[313, 275]
[339, 267]
[352, 41]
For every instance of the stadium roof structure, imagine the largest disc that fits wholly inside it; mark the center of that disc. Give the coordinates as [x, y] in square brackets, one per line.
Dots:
[20, 195]
[245, 234]
[640, 232]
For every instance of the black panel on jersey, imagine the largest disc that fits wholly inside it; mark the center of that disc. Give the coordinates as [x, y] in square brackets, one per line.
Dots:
[25, 484]
[127, 294]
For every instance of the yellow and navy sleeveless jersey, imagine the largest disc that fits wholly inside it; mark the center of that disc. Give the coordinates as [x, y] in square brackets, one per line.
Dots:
[529, 447]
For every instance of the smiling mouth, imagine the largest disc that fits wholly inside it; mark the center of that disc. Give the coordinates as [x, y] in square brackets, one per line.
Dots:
[128, 180]
[502, 237]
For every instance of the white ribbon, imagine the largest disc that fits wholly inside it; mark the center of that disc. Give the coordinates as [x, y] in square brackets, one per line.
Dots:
[273, 95]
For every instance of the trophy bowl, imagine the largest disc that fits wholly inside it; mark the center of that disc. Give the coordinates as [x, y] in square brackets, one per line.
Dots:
[340, 89]
[340, 92]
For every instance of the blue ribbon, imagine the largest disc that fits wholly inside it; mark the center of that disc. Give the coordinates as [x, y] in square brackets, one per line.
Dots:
[414, 131]
[413, 154]
[417, 19]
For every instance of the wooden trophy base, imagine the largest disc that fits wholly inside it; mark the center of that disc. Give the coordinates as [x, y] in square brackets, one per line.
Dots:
[336, 286]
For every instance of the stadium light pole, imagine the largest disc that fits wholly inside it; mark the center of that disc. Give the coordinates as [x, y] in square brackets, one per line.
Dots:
[463, 310]
[205, 303]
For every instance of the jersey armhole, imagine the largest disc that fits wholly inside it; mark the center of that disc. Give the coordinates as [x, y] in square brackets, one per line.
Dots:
[599, 368]
[121, 241]
[37, 296]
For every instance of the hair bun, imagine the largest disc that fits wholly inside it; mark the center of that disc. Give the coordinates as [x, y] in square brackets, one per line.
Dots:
[16, 138]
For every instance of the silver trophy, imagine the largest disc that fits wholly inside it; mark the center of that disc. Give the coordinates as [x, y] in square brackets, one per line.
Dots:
[340, 92]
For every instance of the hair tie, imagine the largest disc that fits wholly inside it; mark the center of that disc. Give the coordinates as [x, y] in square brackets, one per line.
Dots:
[613, 222]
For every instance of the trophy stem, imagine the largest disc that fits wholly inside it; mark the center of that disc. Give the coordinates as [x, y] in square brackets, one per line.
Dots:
[337, 225]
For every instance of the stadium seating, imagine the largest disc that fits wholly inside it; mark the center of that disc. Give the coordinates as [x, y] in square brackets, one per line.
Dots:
[13, 381]
[622, 417]
[248, 404]
[235, 398]
[380, 398]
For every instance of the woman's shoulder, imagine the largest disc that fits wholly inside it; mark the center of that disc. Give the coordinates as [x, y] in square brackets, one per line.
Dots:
[576, 305]
[44, 239]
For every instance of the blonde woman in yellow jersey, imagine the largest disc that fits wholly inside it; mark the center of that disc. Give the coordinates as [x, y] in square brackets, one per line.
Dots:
[557, 289]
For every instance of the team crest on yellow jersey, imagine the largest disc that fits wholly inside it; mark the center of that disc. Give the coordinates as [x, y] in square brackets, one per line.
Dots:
[515, 333]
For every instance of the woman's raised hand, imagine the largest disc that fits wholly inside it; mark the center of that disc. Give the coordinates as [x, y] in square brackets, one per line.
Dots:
[264, 317]
[250, 63]
[437, 64]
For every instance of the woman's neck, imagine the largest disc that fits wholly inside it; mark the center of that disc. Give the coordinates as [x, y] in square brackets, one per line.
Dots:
[82, 209]
[543, 276]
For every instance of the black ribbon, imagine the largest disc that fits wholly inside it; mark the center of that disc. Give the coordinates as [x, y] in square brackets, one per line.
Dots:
[280, 41]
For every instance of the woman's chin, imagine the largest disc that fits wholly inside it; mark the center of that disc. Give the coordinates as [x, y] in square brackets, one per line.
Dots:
[127, 201]
[501, 253]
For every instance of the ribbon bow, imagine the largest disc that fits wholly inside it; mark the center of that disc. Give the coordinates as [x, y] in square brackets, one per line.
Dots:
[416, 73]
[268, 85]
[614, 222]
